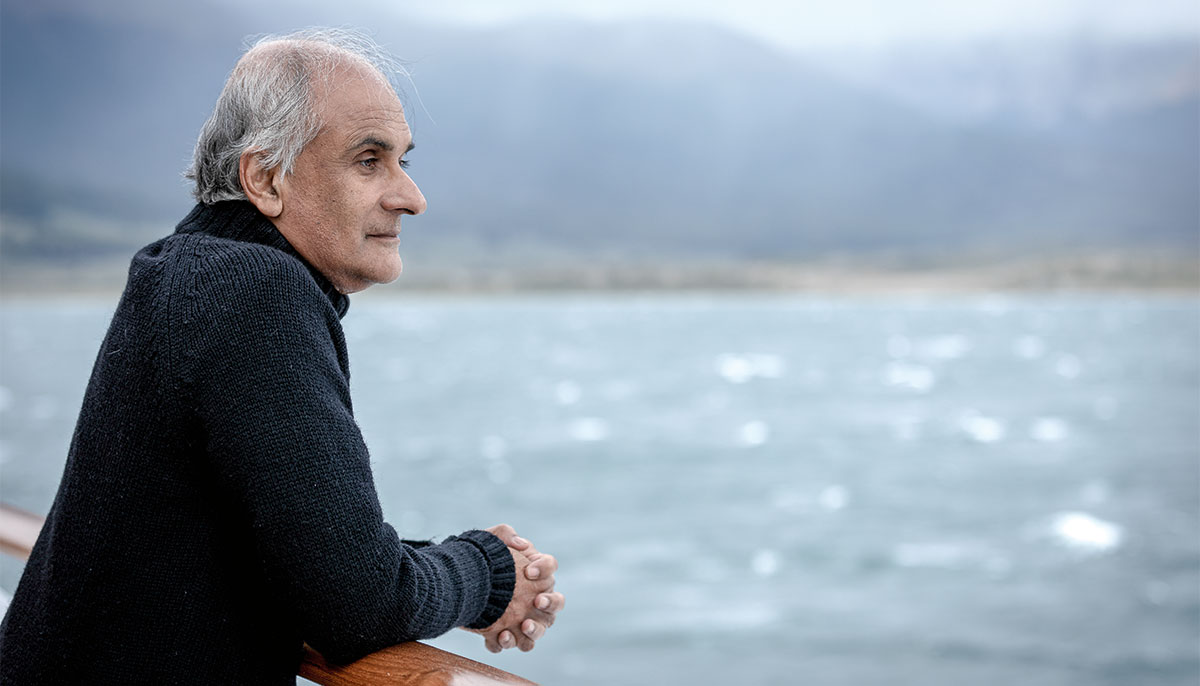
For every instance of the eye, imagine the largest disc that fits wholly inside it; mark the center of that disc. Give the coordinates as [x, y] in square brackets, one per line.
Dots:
[369, 163]
[404, 164]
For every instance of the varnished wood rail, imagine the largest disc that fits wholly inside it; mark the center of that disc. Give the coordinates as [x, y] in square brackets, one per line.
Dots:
[18, 531]
[406, 664]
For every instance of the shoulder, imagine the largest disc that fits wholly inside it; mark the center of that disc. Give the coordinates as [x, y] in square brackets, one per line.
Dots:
[225, 262]
[239, 276]
[210, 288]
[198, 261]
[245, 301]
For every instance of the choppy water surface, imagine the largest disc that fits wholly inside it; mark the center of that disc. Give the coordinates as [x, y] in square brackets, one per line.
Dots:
[770, 490]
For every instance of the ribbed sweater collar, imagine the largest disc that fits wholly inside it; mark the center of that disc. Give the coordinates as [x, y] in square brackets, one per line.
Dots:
[239, 220]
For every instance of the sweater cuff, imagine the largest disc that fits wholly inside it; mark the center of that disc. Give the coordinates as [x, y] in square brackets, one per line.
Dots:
[503, 575]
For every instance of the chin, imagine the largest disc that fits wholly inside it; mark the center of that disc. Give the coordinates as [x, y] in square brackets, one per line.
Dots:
[364, 281]
[394, 273]
[387, 274]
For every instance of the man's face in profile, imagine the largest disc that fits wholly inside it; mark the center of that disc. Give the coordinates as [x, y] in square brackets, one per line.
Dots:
[343, 201]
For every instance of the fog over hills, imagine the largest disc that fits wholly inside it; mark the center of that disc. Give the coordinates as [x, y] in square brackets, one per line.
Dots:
[648, 139]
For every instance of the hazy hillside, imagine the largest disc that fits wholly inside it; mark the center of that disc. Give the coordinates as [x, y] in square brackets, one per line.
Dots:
[1033, 83]
[649, 140]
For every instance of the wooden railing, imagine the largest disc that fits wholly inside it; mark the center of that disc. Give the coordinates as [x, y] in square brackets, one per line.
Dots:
[406, 664]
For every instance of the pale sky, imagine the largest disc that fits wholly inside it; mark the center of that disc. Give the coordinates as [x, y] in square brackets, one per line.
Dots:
[800, 23]
[786, 23]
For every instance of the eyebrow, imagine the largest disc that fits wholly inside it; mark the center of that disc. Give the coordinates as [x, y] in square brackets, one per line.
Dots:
[374, 142]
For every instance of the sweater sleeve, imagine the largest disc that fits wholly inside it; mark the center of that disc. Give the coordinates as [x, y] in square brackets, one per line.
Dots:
[262, 366]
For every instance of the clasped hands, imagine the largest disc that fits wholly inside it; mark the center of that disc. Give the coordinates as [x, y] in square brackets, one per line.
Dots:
[534, 601]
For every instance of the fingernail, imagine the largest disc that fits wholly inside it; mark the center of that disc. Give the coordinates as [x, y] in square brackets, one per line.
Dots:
[543, 603]
[533, 572]
[520, 541]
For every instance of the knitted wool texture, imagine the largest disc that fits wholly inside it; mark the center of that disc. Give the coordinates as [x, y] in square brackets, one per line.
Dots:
[217, 509]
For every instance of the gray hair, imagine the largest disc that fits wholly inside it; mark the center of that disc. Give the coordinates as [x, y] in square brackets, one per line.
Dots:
[267, 105]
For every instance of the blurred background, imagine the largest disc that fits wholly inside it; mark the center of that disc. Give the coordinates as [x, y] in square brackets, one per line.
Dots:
[660, 144]
[840, 343]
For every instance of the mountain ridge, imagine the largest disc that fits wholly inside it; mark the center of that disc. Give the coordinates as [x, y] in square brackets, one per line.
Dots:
[549, 134]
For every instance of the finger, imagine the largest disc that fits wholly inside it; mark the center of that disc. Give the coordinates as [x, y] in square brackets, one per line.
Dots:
[550, 602]
[506, 640]
[504, 532]
[524, 642]
[544, 618]
[553, 602]
[544, 566]
[532, 630]
[489, 642]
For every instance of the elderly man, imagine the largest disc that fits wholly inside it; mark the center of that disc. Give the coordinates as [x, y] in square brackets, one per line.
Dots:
[217, 510]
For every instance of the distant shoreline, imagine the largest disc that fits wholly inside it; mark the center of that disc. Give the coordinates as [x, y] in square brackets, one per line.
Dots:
[1168, 274]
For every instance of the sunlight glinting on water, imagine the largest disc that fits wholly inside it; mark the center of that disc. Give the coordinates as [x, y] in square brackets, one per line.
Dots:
[834, 497]
[840, 477]
[980, 428]
[1049, 430]
[765, 563]
[949, 347]
[567, 392]
[754, 433]
[1068, 366]
[1029, 347]
[1085, 533]
[738, 369]
[914, 377]
[588, 429]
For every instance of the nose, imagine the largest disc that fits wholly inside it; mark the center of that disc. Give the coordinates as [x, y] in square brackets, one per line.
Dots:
[404, 196]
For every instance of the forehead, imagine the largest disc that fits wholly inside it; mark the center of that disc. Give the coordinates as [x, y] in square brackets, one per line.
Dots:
[353, 102]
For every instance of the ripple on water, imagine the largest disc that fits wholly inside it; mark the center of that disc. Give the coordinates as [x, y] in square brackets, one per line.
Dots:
[913, 377]
[397, 369]
[899, 346]
[906, 428]
[740, 369]
[567, 392]
[754, 433]
[948, 347]
[588, 430]
[980, 428]
[1068, 366]
[951, 555]
[834, 497]
[1049, 430]
[765, 563]
[1105, 407]
[1095, 492]
[714, 618]
[1029, 347]
[1082, 532]
[499, 472]
[43, 408]
[493, 447]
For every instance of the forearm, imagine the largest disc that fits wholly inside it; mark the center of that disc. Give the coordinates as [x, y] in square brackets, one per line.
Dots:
[418, 593]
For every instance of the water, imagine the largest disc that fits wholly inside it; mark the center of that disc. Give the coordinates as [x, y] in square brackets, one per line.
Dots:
[770, 490]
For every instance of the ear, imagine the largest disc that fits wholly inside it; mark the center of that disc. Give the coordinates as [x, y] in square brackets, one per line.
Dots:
[260, 184]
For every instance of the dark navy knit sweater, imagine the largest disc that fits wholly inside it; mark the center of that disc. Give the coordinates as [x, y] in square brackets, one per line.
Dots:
[217, 509]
